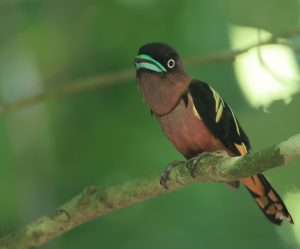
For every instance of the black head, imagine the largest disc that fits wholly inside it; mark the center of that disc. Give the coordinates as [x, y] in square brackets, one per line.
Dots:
[158, 57]
[160, 76]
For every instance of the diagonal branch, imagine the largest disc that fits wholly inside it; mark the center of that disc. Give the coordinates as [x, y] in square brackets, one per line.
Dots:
[93, 201]
[124, 75]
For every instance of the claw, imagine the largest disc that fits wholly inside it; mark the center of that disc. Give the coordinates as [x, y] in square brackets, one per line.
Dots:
[191, 164]
[165, 175]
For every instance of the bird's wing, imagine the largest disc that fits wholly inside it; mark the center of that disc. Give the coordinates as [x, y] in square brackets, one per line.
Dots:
[219, 118]
[221, 121]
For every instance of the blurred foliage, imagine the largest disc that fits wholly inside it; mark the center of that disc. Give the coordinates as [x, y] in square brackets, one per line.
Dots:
[272, 15]
[51, 151]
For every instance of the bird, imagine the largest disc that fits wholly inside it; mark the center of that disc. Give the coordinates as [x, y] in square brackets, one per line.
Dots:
[196, 120]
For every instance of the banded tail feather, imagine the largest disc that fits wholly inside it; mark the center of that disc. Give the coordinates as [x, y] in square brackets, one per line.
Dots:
[267, 199]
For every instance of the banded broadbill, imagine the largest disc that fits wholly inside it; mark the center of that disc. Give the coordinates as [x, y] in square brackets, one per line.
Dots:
[196, 119]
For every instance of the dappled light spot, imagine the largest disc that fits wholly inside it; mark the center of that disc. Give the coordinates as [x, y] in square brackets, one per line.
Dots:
[267, 73]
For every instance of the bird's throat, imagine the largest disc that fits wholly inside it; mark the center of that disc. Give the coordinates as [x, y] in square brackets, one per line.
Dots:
[162, 94]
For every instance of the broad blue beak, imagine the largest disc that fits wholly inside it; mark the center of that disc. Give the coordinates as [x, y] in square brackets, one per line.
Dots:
[147, 62]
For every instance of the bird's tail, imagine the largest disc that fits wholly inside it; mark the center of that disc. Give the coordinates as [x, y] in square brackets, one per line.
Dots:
[267, 199]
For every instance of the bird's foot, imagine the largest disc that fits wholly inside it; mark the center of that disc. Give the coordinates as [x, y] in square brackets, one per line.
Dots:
[165, 175]
[191, 164]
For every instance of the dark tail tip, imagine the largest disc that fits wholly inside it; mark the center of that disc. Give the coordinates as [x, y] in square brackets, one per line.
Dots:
[267, 199]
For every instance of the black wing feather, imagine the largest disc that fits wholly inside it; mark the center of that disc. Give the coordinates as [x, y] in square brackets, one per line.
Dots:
[226, 128]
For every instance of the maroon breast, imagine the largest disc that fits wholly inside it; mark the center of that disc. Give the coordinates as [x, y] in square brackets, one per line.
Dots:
[187, 131]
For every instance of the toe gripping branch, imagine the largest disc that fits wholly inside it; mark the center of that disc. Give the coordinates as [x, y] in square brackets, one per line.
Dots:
[194, 166]
[166, 173]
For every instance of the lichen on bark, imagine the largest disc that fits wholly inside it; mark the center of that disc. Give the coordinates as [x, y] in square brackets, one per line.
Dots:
[93, 201]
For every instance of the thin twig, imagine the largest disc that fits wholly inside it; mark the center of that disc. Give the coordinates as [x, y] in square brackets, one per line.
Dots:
[124, 75]
[67, 89]
[94, 201]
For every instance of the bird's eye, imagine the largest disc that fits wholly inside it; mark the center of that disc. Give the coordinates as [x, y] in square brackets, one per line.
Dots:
[171, 63]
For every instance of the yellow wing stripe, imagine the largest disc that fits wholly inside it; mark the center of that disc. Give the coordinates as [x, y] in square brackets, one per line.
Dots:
[216, 97]
[236, 124]
[196, 112]
[219, 113]
[219, 104]
[241, 148]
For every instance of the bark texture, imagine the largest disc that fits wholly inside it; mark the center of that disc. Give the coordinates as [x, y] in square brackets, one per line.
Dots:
[94, 201]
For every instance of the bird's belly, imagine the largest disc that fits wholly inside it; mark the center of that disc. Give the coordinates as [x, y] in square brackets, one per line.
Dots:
[188, 133]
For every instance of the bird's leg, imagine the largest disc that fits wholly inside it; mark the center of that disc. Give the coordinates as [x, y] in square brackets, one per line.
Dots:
[165, 175]
[191, 164]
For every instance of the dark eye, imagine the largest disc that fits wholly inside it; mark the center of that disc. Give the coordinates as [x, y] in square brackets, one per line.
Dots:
[171, 63]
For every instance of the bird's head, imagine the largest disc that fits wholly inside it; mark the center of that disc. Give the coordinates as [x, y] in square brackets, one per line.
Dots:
[159, 59]
[160, 75]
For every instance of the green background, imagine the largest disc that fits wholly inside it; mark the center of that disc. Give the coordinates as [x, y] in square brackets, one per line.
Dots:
[51, 151]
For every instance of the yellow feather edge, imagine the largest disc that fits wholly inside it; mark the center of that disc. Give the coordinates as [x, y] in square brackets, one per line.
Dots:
[236, 124]
[241, 148]
[196, 112]
[219, 113]
[219, 104]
